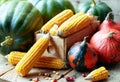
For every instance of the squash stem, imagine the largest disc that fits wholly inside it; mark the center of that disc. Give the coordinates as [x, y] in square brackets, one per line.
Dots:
[84, 40]
[8, 41]
[93, 3]
[109, 16]
[110, 34]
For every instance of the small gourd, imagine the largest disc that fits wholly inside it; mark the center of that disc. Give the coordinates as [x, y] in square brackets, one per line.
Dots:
[82, 57]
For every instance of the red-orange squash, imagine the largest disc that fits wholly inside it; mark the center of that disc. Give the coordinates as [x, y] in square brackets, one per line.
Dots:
[107, 44]
[109, 23]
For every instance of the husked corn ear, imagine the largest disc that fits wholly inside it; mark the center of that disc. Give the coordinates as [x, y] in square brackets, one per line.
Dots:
[73, 24]
[15, 56]
[58, 19]
[51, 62]
[75, 16]
[53, 30]
[44, 62]
[98, 74]
[32, 56]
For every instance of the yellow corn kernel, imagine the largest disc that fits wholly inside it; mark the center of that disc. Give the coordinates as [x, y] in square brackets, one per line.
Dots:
[98, 74]
[32, 56]
[51, 62]
[75, 16]
[15, 56]
[73, 25]
[58, 19]
[44, 62]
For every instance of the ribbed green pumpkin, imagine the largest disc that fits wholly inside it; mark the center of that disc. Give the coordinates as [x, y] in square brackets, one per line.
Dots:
[100, 9]
[50, 8]
[18, 22]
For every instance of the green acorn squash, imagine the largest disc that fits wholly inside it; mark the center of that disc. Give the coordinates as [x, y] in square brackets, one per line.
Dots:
[50, 8]
[18, 22]
[99, 9]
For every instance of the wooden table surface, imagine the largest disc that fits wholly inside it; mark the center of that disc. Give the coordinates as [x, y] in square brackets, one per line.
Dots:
[8, 74]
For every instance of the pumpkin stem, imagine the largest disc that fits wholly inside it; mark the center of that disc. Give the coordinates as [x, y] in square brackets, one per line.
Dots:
[93, 3]
[110, 34]
[109, 16]
[8, 41]
[84, 40]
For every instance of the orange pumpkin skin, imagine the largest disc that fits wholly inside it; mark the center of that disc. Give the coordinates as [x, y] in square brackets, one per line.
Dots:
[107, 44]
[82, 57]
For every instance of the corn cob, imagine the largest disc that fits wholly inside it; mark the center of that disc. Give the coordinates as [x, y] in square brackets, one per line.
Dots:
[75, 16]
[73, 24]
[98, 74]
[53, 30]
[44, 62]
[58, 19]
[32, 56]
[15, 56]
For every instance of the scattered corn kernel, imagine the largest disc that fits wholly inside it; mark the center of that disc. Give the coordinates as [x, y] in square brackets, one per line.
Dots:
[55, 80]
[57, 73]
[50, 78]
[47, 78]
[36, 79]
[46, 74]
[54, 72]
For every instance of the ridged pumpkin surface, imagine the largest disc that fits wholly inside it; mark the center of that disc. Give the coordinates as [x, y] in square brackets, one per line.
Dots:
[18, 22]
[98, 8]
[50, 8]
